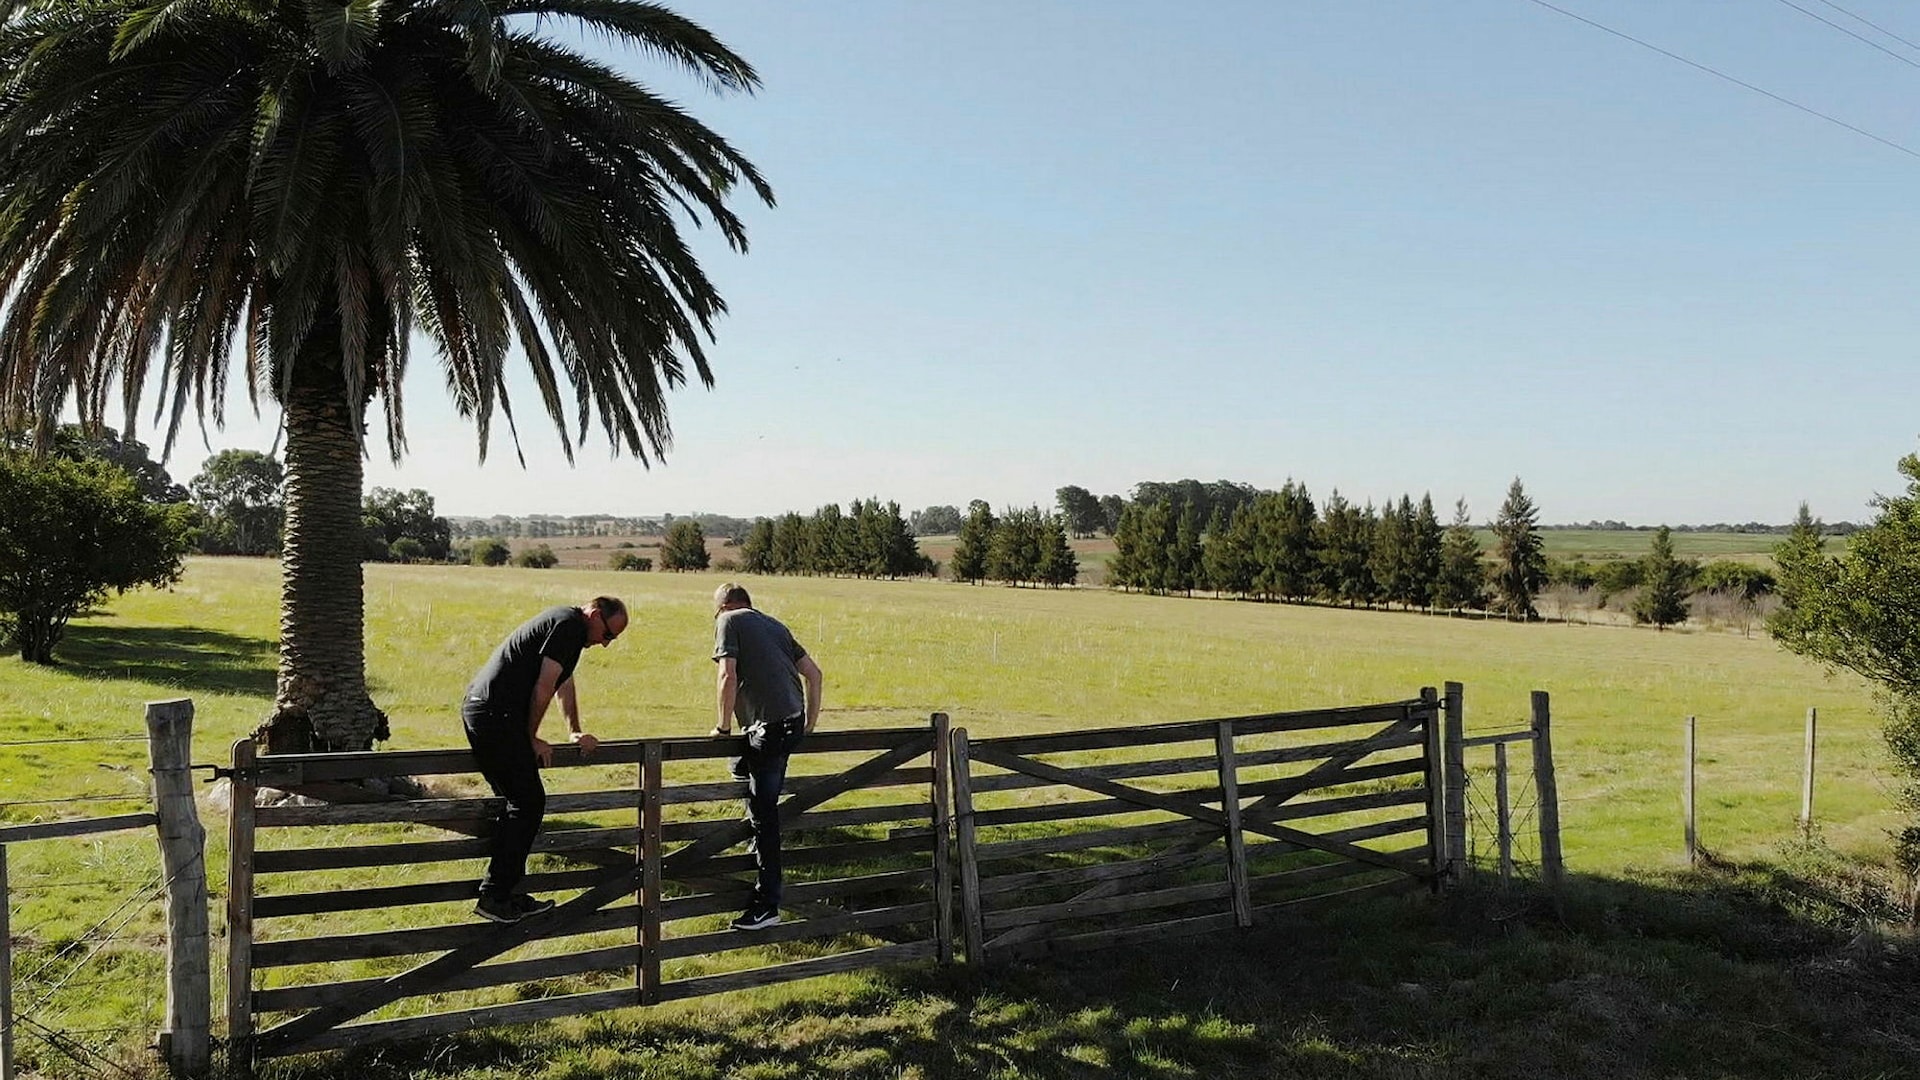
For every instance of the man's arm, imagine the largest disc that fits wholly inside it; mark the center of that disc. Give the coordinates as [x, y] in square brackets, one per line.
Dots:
[727, 688]
[543, 692]
[810, 671]
[570, 708]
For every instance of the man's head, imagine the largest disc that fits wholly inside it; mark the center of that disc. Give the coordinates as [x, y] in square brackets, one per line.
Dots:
[606, 619]
[730, 596]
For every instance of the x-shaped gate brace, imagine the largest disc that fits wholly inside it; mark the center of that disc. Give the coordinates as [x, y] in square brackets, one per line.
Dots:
[1253, 816]
[489, 941]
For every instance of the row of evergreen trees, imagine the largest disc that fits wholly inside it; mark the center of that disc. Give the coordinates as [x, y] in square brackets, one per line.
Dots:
[870, 540]
[1023, 547]
[1281, 546]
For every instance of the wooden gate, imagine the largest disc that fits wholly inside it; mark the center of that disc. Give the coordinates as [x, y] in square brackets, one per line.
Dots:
[1093, 838]
[648, 865]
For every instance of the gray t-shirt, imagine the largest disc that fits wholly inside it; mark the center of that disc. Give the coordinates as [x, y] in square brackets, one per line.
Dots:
[765, 656]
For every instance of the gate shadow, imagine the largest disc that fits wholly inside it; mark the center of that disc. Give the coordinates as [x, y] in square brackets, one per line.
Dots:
[1734, 971]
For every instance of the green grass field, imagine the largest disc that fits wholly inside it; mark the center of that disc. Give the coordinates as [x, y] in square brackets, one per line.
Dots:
[1009, 660]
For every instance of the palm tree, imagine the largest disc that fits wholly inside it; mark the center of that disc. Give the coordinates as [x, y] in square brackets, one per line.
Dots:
[307, 183]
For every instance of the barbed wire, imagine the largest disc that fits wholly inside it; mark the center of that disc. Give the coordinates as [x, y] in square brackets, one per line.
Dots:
[131, 796]
[1483, 822]
[78, 1052]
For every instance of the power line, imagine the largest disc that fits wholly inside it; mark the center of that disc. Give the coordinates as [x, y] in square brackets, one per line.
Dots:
[1909, 151]
[1869, 22]
[1823, 20]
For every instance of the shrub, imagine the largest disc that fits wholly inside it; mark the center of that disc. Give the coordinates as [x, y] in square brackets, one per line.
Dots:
[726, 565]
[406, 549]
[622, 560]
[538, 557]
[490, 551]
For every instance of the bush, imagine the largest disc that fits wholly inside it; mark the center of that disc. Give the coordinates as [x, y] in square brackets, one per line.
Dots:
[490, 551]
[726, 565]
[538, 557]
[71, 533]
[406, 549]
[622, 560]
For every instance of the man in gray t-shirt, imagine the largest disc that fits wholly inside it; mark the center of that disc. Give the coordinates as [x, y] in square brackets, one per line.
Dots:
[761, 672]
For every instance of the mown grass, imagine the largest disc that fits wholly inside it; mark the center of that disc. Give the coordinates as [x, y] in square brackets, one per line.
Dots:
[1321, 996]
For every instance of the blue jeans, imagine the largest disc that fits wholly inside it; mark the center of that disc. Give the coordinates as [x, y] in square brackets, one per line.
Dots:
[765, 764]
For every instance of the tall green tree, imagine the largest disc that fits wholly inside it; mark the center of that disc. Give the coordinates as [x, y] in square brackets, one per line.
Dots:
[684, 547]
[976, 539]
[1226, 558]
[1520, 557]
[757, 550]
[1463, 575]
[1428, 546]
[1184, 570]
[1058, 564]
[1861, 611]
[323, 181]
[390, 515]
[239, 491]
[1666, 583]
[1080, 509]
[71, 534]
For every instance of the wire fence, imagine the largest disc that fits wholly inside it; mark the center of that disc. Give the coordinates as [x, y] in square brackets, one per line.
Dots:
[87, 971]
[1502, 839]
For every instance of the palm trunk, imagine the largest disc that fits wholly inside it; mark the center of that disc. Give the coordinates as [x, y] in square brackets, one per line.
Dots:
[321, 701]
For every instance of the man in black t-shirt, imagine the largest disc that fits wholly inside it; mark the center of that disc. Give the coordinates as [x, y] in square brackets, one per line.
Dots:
[762, 669]
[501, 714]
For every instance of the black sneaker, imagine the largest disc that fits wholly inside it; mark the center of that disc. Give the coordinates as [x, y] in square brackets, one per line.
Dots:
[756, 919]
[530, 905]
[500, 909]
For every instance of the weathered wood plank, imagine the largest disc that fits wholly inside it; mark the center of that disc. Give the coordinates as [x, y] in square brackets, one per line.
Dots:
[858, 960]
[1346, 717]
[392, 896]
[1389, 887]
[652, 897]
[314, 995]
[1346, 804]
[240, 835]
[1130, 935]
[820, 819]
[1236, 840]
[1081, 809]
[971, 928]
[48, 830]
[852, 923]
[287, 860]
[428, 811]
[1126, 836]
[733, 791]
[942, 841]
[382, 943]
[1353, 749]
[1290, 787]
[1358, 833]
[1187, 806]
[807, 897]
[187, 1039]
[1156, 866]
[1193, 730]
[1008, 918]
[1123, 770]
[354, 1036]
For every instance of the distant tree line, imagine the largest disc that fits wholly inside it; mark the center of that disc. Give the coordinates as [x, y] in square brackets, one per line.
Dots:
[871, 539]
[1020, 547]
[1282, 546]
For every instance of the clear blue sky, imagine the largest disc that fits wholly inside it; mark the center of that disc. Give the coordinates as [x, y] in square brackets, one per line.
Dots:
[1384, 247]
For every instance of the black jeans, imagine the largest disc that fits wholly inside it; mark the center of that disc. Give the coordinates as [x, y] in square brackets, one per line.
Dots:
[504, 751]
[765, 764]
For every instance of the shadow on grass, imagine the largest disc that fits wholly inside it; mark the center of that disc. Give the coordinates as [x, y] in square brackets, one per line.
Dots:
[187, 657]
[1753, 971]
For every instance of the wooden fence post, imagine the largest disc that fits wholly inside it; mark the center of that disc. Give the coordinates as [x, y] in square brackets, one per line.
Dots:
[1436, 777]
[651, 783]
[1229, 769]
[1686, 797]
[186, 1038]
[1547, 790]
[942, 841]
[1806, 781]
[971, 916]
[6, 972]
[240, 819]
[1456, 782]
[1503, 815]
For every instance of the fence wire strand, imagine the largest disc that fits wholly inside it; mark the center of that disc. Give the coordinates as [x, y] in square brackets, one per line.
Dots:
[1483, 820]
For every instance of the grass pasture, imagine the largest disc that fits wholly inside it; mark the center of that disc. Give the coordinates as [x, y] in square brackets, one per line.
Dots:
[1622, 986]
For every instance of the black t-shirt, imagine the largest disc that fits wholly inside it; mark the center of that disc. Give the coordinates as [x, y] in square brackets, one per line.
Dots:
[508, 678]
